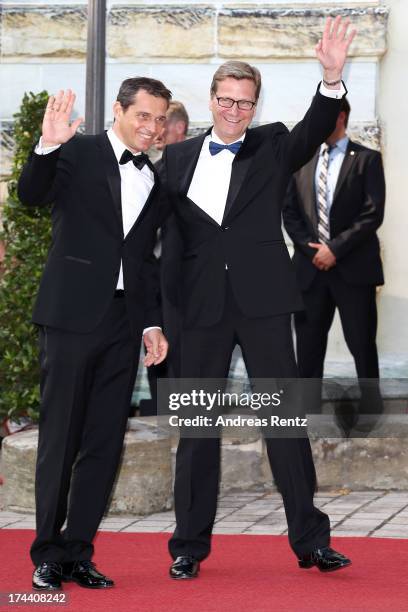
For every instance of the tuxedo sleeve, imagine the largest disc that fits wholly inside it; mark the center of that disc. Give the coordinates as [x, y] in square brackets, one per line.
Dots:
[152, 267]
[171, 259]
[294, 221]
[151, 283]
[372, 210]
[165, 206]
[171, 271]
[44, 176]
[299, 145]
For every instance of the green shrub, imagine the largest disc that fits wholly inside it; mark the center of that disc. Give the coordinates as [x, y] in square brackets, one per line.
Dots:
[26, 234]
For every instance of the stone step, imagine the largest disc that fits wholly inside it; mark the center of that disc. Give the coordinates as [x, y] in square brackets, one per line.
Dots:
[143, 484]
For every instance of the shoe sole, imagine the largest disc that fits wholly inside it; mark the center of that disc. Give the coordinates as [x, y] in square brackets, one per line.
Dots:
[48, 589]
[325, 571]
[183, 577]
[335, 569]
[85, 586]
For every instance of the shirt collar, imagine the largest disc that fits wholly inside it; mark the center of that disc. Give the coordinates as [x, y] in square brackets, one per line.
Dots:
[117, 145]
[213, 136]
[341, 144]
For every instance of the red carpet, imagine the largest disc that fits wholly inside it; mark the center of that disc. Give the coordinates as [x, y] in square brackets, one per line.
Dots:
[256, 573]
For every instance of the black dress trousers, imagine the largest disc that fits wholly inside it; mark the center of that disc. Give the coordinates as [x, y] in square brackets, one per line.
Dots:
[358, 315]
[267, 349]
[86, 387]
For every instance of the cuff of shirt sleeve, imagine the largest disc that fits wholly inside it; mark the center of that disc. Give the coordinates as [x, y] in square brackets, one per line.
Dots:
[40, 150]
[149, 328]
[332, 93]
[332, 244]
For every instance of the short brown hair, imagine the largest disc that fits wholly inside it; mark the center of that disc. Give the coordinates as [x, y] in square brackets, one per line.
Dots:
[236, 70]
[177, 112]
[130, 87]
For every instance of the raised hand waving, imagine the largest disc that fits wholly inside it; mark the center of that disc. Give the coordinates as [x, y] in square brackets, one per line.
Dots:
[332, 48]
[57, 127]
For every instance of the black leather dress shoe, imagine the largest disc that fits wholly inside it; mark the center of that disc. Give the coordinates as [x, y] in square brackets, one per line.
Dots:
[86, 575]
[184, 567]
[47, 577]
[325, 559]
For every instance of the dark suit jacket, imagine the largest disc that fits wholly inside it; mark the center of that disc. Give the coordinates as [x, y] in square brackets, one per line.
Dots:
[356, 213]
[170, 268]
[82, 180]
[250, 240]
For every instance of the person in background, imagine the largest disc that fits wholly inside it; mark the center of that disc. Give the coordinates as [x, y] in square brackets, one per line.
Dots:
[333, 209]
[176, 128]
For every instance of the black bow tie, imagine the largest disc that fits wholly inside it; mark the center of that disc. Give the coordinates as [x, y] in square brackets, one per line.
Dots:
[138, 160]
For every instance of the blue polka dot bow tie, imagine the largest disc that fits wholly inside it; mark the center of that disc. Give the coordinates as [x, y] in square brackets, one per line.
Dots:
[215, 147]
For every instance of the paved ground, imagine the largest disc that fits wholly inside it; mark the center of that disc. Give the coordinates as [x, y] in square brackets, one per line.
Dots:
[366, 513]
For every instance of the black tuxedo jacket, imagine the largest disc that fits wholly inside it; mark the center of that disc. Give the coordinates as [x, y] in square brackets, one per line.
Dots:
[249, 242]
[82, 180]
[356, 213]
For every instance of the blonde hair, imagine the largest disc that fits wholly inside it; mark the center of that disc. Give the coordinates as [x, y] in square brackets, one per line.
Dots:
[236, 70]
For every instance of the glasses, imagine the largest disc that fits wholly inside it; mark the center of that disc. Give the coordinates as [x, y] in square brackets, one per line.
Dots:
[242, 104]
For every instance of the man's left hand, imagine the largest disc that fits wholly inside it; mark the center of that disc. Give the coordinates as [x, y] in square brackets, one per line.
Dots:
[156, 347]
[324, 258]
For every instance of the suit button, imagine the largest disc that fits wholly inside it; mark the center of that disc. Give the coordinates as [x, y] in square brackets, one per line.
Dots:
[224, 229]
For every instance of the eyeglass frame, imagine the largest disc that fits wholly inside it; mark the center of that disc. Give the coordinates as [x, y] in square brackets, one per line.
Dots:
[237, 102]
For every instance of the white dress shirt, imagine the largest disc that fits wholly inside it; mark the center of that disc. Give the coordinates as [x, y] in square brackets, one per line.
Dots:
[212, 175]
[210, 183]
[136, 186]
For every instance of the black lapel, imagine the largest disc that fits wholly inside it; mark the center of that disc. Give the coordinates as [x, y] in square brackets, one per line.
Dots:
[202, 213]
[306, 181]
[350, 156]
[148, 201]
[155, 174]
[111, 167]
[145, 207]
[188, 160]
[240, 167]
[187, 163]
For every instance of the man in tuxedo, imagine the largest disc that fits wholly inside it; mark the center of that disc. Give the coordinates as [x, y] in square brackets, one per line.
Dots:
[334, 206]
[97, 294]
[237, 285]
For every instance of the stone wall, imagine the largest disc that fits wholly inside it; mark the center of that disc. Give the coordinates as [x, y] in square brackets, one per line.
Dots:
[182, 33]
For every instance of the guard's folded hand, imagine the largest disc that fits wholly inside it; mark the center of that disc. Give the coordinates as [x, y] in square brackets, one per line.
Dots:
[324, 258]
